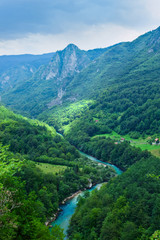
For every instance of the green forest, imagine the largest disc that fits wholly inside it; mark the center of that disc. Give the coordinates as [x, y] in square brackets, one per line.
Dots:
[29, 194]
[28, 145]
[126, 208]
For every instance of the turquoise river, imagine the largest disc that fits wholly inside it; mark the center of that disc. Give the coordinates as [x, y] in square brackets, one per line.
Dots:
[68, 209]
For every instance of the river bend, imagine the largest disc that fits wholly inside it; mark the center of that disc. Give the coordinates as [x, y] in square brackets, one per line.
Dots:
[69, 207]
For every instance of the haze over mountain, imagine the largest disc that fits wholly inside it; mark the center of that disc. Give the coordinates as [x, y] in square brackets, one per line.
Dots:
[15, 69]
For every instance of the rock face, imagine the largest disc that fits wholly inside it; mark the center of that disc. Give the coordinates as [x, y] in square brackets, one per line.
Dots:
[61, 69]
[65, 63]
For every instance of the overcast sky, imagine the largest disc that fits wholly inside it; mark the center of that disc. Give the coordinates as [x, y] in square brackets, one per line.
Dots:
[40, 26]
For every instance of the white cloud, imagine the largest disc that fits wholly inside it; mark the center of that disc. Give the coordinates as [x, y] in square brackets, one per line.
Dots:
[38, 26]
[153, 9]
[90, 37]
[106, 35]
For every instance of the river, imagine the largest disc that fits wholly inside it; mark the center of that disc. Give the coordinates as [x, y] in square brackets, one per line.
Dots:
[68, 209]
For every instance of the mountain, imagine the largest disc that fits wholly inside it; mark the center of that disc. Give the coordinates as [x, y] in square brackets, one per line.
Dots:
[15, 69]
[118, 86]
[48, 85]
[123, 63]
[120, 91]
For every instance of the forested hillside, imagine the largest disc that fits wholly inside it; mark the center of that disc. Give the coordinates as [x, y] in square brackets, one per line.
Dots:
[30, 193]
[122, 95]
[133, 62]
[127, 208]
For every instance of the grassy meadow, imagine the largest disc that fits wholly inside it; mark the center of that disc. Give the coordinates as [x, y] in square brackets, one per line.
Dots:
[49, 168]
[142, 143]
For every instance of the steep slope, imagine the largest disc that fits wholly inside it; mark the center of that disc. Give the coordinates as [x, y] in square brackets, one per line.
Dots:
[48, 85]
[127, 208]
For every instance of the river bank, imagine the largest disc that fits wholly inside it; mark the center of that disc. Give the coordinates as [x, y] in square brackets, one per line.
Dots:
[101, 162]
[59, 210]
[68, 210]
[69, 207]
[52, 219]
[113, 166]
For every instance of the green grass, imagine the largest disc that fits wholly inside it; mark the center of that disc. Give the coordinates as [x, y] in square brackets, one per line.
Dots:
[49, 168]
[140, 142]
[156, 152]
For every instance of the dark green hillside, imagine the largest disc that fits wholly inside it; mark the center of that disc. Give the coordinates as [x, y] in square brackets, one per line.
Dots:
[129, 98]
[127, 208]
[35, 140]
[135, 62]
[125, 109]
[38, 169]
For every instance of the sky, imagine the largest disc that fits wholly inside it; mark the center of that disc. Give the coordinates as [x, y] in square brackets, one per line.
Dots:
[42, 26]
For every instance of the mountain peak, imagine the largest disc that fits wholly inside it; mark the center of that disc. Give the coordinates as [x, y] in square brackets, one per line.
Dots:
[71, 46]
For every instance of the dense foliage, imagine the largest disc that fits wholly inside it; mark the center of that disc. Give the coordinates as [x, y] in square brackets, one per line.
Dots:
[122, 155]
[35, 140]
[29, 195]
[125, 109]
[126, 208]
[20, 213]
[121, 89]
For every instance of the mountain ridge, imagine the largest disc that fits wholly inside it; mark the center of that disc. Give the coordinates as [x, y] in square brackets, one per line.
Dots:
[47, 86]
[116, 61]
[74, 74]
[18, 68]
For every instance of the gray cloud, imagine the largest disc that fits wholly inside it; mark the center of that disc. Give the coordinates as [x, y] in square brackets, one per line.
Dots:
[20, 17]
